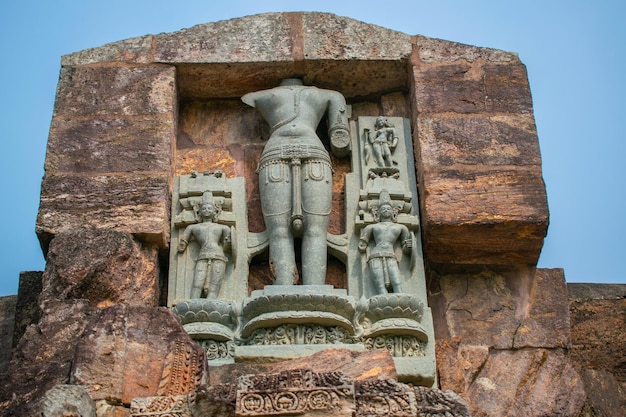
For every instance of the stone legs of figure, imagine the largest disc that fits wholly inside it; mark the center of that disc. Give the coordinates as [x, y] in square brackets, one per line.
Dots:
[284, 202]
[209, 274]
[385, 271]
[382, 154]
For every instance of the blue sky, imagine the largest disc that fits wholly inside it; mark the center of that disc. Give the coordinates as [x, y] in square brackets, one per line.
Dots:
[574, 52]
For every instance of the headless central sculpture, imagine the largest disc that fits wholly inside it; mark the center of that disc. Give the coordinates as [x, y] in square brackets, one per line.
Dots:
[295, 175]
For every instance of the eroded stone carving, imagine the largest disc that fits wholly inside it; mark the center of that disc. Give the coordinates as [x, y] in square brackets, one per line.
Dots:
[397, 345]
[292, 334]
[437, 403]
[164, 406]
[382, 259]
[293, 392]
[214, 239]
[382, 142]
[209, 230]
[384, 398]
[212, 324]
[295, 175]
[183, 372]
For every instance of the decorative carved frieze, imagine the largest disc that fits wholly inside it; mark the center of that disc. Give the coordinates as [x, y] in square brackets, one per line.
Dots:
[383, 398]
[292, 393]
[164, 406]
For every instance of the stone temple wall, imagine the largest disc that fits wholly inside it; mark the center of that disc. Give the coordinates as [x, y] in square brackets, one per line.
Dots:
[131, 115]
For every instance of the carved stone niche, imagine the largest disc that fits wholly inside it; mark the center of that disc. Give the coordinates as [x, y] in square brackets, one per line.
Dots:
[228, 196]
[385, 261]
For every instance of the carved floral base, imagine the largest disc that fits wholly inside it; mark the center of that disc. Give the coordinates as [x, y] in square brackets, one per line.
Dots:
[282, 322]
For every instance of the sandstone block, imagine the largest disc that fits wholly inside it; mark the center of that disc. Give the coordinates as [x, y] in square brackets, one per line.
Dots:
[376, 364]
[111, 145]
[446, 141]
[220, 123]
[43, 356]
[134, 203]
[27, 309]
[97, 92]
[7, 321]
[331, 37]
[134, 50]
[605, 395]
[509, 309]
[463, 87]
[483, 216]
[547, 322]
[67, 400]
[527, 382]
[132, 352]
[480, 309]
[105, 267]
[432, 50]
[260, 38]
[598, 314]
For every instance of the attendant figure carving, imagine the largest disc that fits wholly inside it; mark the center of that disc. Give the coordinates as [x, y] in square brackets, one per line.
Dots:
[295, 175]
[383, 141]
[382, 260]
[214, 240]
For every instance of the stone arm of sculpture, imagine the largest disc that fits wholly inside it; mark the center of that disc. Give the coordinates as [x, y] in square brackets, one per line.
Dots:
[226, 238]
[391, 134]
[406, 239]
[364, 239]
[338, 129]
[184, 241]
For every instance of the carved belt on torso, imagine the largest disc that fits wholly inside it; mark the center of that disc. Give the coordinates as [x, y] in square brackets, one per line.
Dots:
[211, 255]
[385, 253]
[288, 153]
[294, 155]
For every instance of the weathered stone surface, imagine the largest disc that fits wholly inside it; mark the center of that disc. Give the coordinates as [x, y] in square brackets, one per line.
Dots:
[105, 267]
[605, 395]
[134, 352]
[67, 400]
[259, 38]
[97, 92]
[480, 215]
[7, 321]
[509, 309]
[432, 50]
[328, 36]
[43, 356]
[526, 382]
[483, 199]
[598, 314]
[218, 123]
[357, 365]
[110, 145]
[446, 141]
[467, 88]
[27, 309]
[134, 50]
[135, 203]
[546, 322]
[433, 402]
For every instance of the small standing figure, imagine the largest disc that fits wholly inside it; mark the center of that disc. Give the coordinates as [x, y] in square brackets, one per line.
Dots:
[214, 240]
[383, 142]
[382, 260]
